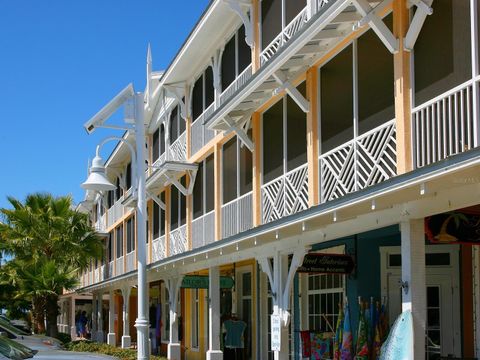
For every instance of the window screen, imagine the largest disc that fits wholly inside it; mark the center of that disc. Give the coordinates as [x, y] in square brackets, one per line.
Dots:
[209, 184]
[155, 145]
[273, 142]
[198, 193]
[119, 240]
[246, 171]
[197, 98]
[271, 20]
[209, 89]
[174, 207]
[296, 132]
[229, 170]
[228, 63]
[174, 125]
[244, 51]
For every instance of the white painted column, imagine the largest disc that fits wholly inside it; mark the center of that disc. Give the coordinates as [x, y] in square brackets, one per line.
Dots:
[280, 266]
[73, 325]
[93, 331]
[174, 348]
[126, 339]
[414, 292]
[100, 338]
[476, 297]
[111, 319]
[214, 352]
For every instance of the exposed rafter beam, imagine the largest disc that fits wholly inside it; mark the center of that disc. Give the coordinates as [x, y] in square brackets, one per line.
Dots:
[291, 90]
[177, 94]
[237, 129]
[243, 9]
[371, 17]
[423, 10]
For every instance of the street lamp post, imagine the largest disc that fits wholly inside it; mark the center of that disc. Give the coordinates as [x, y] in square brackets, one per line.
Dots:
[98, 181]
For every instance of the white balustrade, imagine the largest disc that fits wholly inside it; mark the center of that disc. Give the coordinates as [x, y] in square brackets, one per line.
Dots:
[178, 150]
[115, 212]
[119, 266]
[130, 261]
[367, 160]
[102, 272]
[241, 79]
[203, 230]
[178, 240]
[200, 134]
[445, 125]
[100, 224]
[110, 270]
[237, 215]
[158, 249]
[285, 195]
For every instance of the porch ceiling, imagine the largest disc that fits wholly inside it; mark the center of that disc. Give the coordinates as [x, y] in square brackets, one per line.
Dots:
[163, 175]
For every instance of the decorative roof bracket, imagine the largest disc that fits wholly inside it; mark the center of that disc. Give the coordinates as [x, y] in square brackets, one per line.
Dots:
[371, 18]
[291, 90]
[157, 199]
[239, 130]
[245, 15]
[423, 10]
[175, 92]
[192, 174]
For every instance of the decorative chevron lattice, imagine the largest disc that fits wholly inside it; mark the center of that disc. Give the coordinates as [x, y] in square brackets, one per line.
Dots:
[178, 150]
[286, 195]
[178, 240]
[366, 161]
[158, 251]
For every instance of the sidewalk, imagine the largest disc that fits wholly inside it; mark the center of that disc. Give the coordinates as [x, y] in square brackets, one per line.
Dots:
[70, 355]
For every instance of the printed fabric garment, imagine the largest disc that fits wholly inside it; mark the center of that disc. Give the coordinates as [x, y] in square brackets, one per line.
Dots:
[306, 349]
[362, 352]
[320, 346]
[234, 329]
[337, 344]
[347, 339]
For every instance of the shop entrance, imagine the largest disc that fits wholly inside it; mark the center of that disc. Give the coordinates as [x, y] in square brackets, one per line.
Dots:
[443, 313]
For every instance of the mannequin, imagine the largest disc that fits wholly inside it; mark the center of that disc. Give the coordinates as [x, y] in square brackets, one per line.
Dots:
[234, 329]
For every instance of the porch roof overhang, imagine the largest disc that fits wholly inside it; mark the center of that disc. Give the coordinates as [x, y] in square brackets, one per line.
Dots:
[331, 25]
[168, 173]
[449, 184]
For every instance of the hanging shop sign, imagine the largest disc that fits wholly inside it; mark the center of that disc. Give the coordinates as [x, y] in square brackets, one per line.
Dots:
[327, 264]
[276, 328]
[201, 282]
[453, 228]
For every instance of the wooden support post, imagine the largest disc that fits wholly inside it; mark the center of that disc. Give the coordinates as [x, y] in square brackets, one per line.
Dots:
[150, 233]
[403, 95]
[257, 173]
[255, 17]
[312, 137]
[189, 215]
[217, 158]
[168, 199]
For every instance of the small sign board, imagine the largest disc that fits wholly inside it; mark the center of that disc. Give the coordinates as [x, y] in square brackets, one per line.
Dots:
[201, 282]
[327, 264]
[276, 328]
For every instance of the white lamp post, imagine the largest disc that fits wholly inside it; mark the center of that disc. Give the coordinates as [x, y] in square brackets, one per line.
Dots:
[98, 181]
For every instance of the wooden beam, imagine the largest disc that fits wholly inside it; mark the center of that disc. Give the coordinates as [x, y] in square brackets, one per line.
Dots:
[256, 177]
[255, 17]
[403, 106]
[312, 137]
[168, 201]
[217, 159]
[189, 211]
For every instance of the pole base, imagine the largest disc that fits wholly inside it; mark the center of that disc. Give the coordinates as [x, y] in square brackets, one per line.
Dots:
[111, 339]
[174, 351]
[100, 336]
[126, 341]
[73, 332]
[214, 355]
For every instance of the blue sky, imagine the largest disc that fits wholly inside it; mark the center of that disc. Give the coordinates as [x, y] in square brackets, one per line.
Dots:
[60, 62]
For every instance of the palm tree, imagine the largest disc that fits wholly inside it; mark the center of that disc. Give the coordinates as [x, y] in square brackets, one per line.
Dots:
[49, 243]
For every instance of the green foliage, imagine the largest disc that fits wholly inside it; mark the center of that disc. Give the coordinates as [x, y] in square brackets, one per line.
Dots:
[64, 338]
[122, 354]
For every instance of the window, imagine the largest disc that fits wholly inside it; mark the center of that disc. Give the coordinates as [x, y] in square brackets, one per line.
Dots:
[209, 184]
[130, 235]
[203, 93]
[118, 190]
[284, 137]
[158, 218]
[178, 206]
[110, 198]
[128, 176]
[119, 240]
[155, 145]
[236, 57]
[449, 22]
[274, 19]
[236, 170]
[198, 201]
[325, 293]
[110, 247]
[195, 313]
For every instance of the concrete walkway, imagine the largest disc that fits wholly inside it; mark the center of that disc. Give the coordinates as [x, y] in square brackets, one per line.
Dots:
[70, 355]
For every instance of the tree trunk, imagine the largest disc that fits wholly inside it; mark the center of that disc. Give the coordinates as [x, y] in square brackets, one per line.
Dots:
[38, 315]
[51, 309]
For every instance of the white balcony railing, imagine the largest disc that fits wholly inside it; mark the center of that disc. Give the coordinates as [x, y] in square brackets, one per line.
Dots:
[115, 212]
[158, 249]
[200, 134]
[285, 195]
[130, 261]
[110, 270]
[90, 277]
[178, 240]
[367, 160]
[119, 266]
[237, 215]
[100, 224]
[203, 230]
[445, 125]
[241, 79]
[178, 150]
